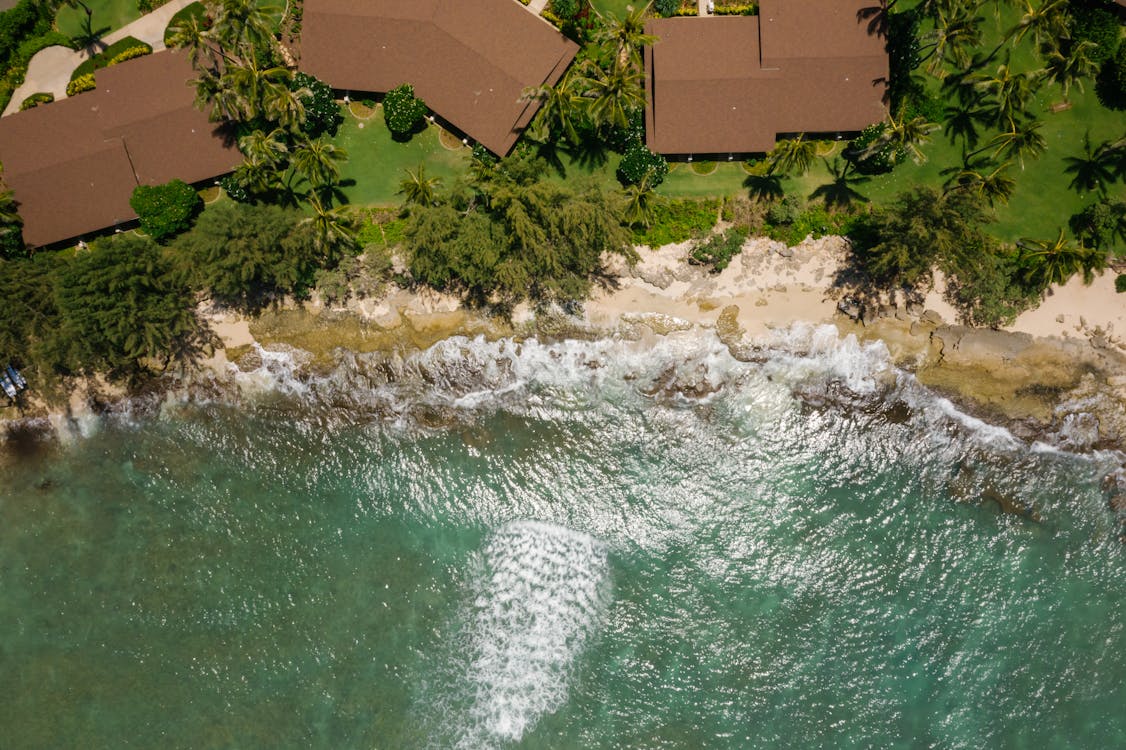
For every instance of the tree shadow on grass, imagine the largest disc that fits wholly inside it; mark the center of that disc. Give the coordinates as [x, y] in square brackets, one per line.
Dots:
[765, 187]
[839, 192]
[588, 153]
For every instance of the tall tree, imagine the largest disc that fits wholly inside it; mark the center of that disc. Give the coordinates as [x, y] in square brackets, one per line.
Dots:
[1048, 262]
[984, 178]
[625, 37]
[614, 94]
[791, 155]
[419, 189]
[1070, 68]
[318, 162]
[1010, 94]
[952, 40]
[1047, 22]
[561, 108]
[1022, 141]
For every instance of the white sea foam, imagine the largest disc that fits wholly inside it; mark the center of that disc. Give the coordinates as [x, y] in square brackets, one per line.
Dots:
[540, 595]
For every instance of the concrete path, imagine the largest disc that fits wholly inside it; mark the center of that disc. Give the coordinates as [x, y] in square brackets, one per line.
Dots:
[50, 69]
[537, 6]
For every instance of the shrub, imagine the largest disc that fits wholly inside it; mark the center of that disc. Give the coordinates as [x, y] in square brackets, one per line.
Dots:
[565, 8]
[128, 54]
[80, 84]
[28, 19]
[718, 250]
[42, 97]
[234, 189]
[678, 220]
[165, 210]
[666, 7]
[321, 113]
[402, 110]
[1098, 224]
[1095, 24]
[30, 47]
[881, 161]
[1120, 283]
[639, 163]
[148, 6]
[740, 9]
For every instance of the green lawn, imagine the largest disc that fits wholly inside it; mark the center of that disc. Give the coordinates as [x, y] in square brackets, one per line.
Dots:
[376, 163]
[616, 7]
[108, 14]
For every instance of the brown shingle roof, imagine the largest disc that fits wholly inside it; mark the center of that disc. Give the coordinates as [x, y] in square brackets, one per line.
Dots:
[732, 84]
[469, 61]
[73, 164]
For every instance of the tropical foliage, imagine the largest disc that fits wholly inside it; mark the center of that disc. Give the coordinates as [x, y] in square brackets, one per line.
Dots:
[165, 210]
[402, 110]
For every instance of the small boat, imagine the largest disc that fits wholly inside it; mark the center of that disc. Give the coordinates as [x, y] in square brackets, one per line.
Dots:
[8, 386]
[16, 378]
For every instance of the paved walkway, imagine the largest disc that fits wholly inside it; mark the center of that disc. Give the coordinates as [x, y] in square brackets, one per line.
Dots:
[50, 69]
[537, 6]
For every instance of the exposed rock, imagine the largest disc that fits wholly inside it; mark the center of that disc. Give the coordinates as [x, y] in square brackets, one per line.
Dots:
[932, 317]
[850, 308]
[660, 277]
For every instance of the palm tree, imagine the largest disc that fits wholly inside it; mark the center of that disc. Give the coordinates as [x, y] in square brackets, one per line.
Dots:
[283, 105]
[1048, 262]
[625, 37]
[1047, 23]
[240, 26]
[1023, 140]
[1095, 169]
[191, 33]
[790, 155]
[640, 203]
[952, 40]
[561, 106]
[255, 85]
[988, 180]
[1011, 93]
[1070, 69]
[614, 94]
[268, 148]
[214, 94]
[334, 228]
[839, 193]
[317, 162]
[419, 189]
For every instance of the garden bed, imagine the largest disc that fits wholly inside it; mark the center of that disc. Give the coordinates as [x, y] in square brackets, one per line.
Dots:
[107, 56]
[449, 140]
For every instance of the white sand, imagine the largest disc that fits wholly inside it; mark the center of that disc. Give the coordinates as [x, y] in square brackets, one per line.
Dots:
[1077, 310]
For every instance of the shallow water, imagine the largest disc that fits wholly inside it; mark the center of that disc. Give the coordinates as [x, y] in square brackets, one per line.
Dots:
[607, 544]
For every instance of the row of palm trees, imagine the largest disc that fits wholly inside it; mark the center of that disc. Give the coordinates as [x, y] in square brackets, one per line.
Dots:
[235, 54]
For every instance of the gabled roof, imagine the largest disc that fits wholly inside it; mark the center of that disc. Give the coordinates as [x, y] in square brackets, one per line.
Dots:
[73, 164]
[468, 60]
[731, 84]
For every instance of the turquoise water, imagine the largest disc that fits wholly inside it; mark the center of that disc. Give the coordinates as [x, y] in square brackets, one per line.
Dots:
[580, 545]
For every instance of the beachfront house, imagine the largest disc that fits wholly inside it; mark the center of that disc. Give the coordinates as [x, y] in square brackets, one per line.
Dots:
[469, 60]
[72, 165]
[729, 85]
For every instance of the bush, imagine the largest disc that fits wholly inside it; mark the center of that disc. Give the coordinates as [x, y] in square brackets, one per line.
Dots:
[878, 163]
[43, 97]
[1120, 283]
[666, 7]
[148, 6]
[112, 55]
[321, 113]
[80, 84]
[988, 291]
[678, 220]
[165, 210]
[28, 19]
[1096, 24]
[565, 8]
[402, 111]
[128, 54]
[1111, 84]
[31, 47]
[234, 189]
[718, 250]
[1099, 224]
[639, 163]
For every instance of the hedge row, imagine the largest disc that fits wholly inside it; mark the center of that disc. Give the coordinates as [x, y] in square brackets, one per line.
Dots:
[119, 51]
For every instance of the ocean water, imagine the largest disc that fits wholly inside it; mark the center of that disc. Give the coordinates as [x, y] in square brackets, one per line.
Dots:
[580, 544]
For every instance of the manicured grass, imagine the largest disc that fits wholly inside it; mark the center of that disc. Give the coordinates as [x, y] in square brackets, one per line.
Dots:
[376, 163]
[1042, 201]
[616, 8]
[108, 14]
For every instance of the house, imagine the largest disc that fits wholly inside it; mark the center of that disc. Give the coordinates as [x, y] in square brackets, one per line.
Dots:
[73, 164]
[728, 85]
[469, 60]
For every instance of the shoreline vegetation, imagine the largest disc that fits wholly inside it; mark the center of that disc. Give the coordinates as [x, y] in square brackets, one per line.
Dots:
[904, 234]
